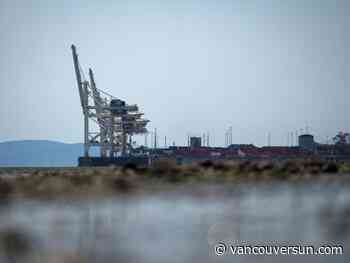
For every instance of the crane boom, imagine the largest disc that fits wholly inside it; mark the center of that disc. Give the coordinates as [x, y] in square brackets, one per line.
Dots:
[78, 76]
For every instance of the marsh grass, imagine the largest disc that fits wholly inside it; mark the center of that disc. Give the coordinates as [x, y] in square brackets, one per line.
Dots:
[55, 182]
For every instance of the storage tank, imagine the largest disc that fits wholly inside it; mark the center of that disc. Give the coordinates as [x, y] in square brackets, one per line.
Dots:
[195, 142]
[306, 141]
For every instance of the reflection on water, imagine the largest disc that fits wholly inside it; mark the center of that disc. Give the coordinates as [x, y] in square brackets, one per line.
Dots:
[182, 226]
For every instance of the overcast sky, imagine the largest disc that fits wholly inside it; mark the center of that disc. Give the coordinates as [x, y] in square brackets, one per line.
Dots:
[192, 66]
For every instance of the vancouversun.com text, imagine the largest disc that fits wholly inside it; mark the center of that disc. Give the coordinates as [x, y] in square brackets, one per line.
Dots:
[223, 248]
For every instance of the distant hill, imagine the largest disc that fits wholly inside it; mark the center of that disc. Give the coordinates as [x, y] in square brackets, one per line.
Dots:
[39, 153]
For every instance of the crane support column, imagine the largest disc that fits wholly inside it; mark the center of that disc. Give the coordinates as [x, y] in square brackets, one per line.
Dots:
[86, 122]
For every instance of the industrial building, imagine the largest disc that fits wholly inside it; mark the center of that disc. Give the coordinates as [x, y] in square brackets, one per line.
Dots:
[118, 121]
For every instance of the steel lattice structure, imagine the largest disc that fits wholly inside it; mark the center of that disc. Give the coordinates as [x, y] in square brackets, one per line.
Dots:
[117, 121]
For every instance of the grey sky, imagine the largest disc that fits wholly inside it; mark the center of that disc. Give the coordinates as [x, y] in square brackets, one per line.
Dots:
[192, 66]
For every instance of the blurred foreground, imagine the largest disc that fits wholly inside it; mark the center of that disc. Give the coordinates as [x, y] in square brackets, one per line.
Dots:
[172, 213]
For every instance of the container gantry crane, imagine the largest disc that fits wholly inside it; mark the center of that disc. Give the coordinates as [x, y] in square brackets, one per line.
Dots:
[117, 121]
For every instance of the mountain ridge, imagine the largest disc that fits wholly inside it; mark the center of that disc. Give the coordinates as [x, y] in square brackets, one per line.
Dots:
[40, 153]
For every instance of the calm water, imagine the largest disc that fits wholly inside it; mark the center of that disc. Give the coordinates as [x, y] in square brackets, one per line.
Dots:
[185, 224]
